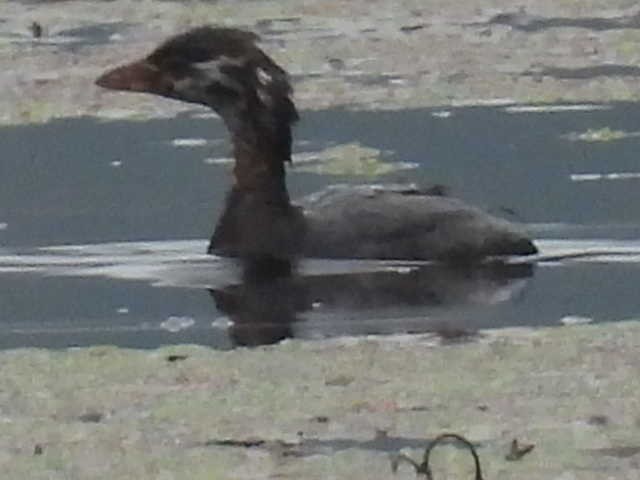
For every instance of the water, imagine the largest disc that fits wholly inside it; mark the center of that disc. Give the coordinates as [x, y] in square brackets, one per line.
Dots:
[134, 211]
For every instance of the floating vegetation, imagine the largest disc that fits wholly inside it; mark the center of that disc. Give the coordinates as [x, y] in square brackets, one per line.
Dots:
[348, 159]
[595, 177]
[578, 107]
[605, 134]
[36, 111]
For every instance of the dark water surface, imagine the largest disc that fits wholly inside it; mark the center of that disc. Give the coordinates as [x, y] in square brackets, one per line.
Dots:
[92, 183]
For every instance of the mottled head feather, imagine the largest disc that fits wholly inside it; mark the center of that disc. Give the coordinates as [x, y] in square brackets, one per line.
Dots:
[203, 44]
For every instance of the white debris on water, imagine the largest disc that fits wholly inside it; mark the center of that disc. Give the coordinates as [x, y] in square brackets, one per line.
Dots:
[3, 225]
[593, 177]
[218, 160]
[175, 324]
[222, 323]
[403, 270]
[441, 114]
[189, 142]
[575, 320]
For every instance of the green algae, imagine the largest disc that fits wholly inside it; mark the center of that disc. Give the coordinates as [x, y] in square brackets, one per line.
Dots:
[162, 418]
[381, 66]
[605, 134]
[351, 159]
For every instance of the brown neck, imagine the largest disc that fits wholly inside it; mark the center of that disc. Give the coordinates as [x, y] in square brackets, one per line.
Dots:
[259, 165]
[258, 220]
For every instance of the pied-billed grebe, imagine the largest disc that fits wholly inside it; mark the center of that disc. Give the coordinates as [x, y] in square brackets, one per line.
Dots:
[224, 69]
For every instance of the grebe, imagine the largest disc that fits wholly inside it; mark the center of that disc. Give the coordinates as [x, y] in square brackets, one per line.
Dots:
[224, 69]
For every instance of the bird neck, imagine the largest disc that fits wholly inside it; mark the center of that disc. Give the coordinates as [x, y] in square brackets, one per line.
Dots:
[258, 220]
[260, 151]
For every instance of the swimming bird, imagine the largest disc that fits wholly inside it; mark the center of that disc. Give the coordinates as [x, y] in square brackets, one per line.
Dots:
[224, 69]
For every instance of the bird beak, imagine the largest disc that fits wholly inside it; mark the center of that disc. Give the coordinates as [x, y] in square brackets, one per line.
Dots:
[140, 76]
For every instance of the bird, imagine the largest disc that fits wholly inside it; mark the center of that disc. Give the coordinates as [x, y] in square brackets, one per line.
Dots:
[225, 69]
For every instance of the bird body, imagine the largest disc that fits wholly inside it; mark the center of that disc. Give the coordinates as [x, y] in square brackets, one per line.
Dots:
[224, 69]
[374, 221]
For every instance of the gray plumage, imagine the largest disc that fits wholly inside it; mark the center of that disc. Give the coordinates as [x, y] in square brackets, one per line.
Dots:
[396, 222]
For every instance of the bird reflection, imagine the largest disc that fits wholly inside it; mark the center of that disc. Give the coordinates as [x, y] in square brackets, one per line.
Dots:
[274, 302]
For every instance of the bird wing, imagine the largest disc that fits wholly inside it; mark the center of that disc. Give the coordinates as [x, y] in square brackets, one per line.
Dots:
[404, 222]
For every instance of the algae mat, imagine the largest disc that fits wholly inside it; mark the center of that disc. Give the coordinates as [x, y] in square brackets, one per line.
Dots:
[331, 409]
[360, 54]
